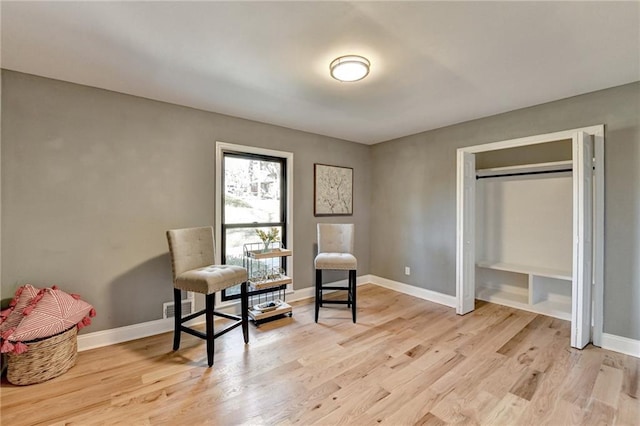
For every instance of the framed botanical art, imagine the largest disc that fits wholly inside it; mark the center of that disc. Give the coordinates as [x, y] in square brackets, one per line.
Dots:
[332, 190]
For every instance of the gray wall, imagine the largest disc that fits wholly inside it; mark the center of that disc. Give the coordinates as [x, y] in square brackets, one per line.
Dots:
[528, 154]
[92, 179]
[414, 201]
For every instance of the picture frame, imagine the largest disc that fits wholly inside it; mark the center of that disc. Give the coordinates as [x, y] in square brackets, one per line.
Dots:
[332, 190]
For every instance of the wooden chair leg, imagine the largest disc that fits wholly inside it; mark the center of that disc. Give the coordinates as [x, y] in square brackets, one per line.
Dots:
[177, 300]
[244, 306]
[318, 291]
[353, 287]
[210, 305]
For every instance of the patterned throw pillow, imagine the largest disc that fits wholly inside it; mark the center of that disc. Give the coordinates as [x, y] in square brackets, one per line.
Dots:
[11, 317]
[51, 312]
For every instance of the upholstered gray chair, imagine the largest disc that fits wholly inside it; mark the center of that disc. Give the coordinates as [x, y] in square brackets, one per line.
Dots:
[192, 262]
[335, 251]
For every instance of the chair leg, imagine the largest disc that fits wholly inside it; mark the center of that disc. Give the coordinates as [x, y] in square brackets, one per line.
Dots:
[244, 306]
[210, 305]
[177, 300]
[353, 290]
[318, 291]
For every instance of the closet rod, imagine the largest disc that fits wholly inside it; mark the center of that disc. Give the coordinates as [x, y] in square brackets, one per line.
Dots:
[525, 173]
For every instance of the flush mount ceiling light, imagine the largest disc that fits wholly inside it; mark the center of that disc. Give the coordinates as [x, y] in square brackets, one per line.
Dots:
[349, 68]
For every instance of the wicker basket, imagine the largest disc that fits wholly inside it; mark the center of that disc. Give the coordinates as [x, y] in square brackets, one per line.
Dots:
[46, 358]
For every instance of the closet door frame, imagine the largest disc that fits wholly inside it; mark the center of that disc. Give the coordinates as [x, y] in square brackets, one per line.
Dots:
[465, 225]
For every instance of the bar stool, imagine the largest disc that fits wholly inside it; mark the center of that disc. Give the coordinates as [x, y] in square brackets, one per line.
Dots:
[192, 263]
[335, 252]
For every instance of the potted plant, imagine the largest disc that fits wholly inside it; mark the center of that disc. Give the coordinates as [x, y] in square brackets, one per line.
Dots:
[269, 237]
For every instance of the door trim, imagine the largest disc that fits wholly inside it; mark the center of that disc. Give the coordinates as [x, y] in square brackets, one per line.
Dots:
[582, 177]
[465, 282]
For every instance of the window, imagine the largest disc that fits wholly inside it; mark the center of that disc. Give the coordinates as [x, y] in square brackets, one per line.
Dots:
[252, 195]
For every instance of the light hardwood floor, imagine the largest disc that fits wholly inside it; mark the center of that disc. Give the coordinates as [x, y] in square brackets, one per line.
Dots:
[407, 361]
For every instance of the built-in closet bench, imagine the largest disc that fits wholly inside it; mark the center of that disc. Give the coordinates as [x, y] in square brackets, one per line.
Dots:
[541, 290]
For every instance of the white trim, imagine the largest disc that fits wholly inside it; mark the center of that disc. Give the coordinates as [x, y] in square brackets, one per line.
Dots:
[112, 336]
[465, 231]
[221, 147]
[598, 237]
[533, 140]
[303, 293]
[422, 293]
[309, 292]
[621, 344]
[582, 277]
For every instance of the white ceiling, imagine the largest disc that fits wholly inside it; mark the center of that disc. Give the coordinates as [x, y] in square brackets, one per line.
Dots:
[433, 63]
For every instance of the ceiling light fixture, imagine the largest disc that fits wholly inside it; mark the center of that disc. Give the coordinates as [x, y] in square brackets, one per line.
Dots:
[349, 68]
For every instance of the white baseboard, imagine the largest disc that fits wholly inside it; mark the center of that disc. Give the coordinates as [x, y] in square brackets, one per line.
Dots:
[113, 336]
[150, 328]
[620, 344]
[430, 295]
[309, 292]
[422, 293]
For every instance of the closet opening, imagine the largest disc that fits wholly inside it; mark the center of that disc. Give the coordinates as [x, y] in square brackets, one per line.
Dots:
[530, 227]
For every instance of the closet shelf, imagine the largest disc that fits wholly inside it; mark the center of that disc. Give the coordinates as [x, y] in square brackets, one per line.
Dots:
[503, 294]
[524, 269]
[526, 169]
[540, 290]
[269, 283]
[268, 253]
[554, 308]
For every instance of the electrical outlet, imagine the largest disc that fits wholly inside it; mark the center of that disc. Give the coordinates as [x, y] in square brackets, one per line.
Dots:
[407, 270]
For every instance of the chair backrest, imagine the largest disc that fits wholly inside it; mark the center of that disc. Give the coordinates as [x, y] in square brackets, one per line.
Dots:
[190, 248]
[335, 237]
